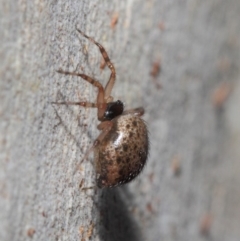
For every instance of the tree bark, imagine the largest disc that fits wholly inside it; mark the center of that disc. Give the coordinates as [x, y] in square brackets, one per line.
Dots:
[179, 60]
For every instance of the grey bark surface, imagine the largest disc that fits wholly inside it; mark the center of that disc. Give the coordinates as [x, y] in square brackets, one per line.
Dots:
[189, 189]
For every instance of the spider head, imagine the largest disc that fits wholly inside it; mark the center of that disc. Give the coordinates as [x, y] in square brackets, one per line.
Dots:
[113, 110]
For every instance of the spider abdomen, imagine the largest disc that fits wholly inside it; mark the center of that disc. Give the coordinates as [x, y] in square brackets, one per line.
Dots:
[123, 152]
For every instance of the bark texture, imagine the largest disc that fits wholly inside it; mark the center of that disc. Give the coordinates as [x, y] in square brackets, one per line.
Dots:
[179, 60]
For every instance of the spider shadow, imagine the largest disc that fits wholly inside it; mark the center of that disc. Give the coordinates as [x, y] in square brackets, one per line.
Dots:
[116, 220]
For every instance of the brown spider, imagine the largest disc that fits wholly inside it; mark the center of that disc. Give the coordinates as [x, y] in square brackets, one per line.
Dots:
[121, 149]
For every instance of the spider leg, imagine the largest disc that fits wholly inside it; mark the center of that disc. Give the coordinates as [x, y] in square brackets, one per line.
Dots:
[105, 127]
[101, 103]
[111, 81]
[81, 103]
[136, 111]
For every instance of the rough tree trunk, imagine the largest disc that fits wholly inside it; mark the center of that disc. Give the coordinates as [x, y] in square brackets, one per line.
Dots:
[189, 189]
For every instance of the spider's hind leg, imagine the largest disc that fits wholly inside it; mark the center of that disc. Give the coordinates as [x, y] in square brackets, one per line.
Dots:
[136, 111]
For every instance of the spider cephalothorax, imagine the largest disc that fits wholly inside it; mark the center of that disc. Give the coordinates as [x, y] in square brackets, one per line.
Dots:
[113, 110]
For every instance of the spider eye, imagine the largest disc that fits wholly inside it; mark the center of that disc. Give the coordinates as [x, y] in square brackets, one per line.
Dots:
[113, 110]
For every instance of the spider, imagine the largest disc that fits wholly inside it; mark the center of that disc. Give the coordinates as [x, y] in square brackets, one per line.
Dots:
[121, 149]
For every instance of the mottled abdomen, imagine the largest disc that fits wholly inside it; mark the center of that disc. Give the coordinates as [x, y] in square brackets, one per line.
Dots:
[123, 152]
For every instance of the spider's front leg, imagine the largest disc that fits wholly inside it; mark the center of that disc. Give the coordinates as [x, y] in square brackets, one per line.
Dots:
[84, 104]
[111, 81]
[101, 103]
